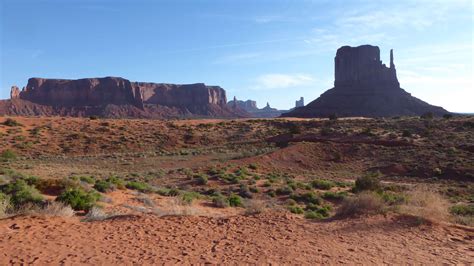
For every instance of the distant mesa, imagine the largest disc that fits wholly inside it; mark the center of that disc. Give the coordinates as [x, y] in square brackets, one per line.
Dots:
[117, 97]
[251, 108]
[363, 86]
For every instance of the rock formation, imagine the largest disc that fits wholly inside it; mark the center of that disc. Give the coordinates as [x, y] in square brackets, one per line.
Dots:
[299, 103]
[15, 92]
[117, 97]
[251, 108]
[363, 86]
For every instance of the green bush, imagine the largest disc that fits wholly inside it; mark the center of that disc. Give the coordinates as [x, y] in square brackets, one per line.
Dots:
[9, 122]
[87, 179]
[392, 198]
[463, 209]
[253, 166]
[313, 215]
[308, 197]
[322, 210]
[284, 190]
[330, 195]
[220, 201]
[188, 197]
[79, 199]
[295, 209]
[104, 186]
[21, 193]
[140, 186]
[235, 201]
[117, 181]
[201, 179]
[322, 184]
[7, 155]
[369, 182]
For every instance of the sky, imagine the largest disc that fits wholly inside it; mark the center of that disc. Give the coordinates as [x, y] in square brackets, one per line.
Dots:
[269, 50]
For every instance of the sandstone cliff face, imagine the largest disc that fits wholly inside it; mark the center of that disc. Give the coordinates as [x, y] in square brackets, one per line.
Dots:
[115, 97]
[81, 92]
[363, 86]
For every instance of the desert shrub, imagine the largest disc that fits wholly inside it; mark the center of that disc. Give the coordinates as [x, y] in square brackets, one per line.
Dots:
[187, 198]
[462, 209]
[295, 209]
[117, 181]
[326, 131]
[406, 133]
[331, 195]
[392, 198]
[54, 186]
[253, 166]
[7, 155]
[93, 117]
[308, 197]
[322, 184]
[426, 203]
[313, 215]
[87, 179]
[9, 122]
[235, 200]
[21, 193]
[284, 190]
[220, 201]
[96, 214]
[201, 179]
[291, 202]
[428, 115]
[168, 192]
[369, 181]
[332, 117]
[244, 191]
[4, 206]
[447, 116]
[104, 186]
[79, 199]
[140, 186]
[31, 180]
[254, 207]
[56, 208]
[361, 204]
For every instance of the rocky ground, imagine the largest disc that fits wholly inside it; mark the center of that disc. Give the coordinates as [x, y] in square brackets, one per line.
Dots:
[232, 191]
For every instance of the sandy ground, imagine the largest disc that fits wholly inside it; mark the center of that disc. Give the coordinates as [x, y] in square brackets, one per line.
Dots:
[264, 238]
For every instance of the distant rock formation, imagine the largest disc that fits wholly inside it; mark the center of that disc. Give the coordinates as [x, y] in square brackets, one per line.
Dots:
[251, 108]
[117, 97]
[299, 103]
[363, 86]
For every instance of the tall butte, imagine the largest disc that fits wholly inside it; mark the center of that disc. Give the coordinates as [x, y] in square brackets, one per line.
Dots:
[364, 86]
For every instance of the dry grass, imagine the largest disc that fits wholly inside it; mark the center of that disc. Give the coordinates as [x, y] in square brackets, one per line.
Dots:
[56, 209]
[4, 206]
[361, 204]
[97, 214]
[427, 204]
[254, 207]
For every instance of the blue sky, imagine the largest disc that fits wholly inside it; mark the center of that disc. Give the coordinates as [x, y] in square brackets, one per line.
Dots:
[269, 51]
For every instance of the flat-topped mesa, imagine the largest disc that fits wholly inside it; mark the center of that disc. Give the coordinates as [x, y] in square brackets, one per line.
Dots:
[81, 92]
[180, 95]
[118, 97]
[361, 66]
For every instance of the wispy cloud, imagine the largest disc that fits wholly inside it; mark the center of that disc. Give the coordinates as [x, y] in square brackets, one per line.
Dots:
[281, 81]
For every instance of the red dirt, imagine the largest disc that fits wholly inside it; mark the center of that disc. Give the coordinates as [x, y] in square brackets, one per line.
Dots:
[265, 238]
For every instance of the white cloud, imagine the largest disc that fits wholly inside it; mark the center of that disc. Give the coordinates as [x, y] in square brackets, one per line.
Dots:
[281, 81]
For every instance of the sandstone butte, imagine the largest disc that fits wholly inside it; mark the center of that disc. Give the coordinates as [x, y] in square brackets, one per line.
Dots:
[117, 97]
[363, 86]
